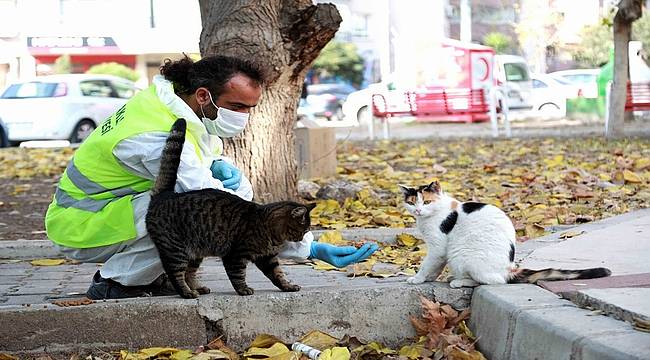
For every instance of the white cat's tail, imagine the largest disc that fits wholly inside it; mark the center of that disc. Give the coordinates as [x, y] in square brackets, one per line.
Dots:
[533, 276]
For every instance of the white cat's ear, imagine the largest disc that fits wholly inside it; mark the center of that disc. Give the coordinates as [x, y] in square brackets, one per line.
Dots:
[405, 189]
[434, 186]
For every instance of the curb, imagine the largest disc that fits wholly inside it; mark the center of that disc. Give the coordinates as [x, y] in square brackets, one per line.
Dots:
[31, 249]
[371, 313]
[522, 321]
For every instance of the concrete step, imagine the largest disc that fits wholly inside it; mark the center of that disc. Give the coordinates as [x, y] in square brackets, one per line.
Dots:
[366, 309]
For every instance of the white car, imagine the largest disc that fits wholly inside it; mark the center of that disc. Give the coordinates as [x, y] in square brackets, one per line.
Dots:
[513, 76]
[550, 94]
[61, 107]
[585, 79]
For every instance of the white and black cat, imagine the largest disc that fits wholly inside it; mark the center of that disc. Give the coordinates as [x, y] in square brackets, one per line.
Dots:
[476, 241]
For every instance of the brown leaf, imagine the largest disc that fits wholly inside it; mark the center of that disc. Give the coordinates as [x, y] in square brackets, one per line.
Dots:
[489, 168]
[74, 302]
[218, 344]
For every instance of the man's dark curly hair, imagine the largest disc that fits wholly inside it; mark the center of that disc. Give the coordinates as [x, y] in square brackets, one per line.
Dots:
[212, 72]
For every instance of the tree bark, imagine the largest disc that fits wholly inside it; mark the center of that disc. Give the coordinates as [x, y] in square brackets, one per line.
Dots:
[283, 37]
[628, 12]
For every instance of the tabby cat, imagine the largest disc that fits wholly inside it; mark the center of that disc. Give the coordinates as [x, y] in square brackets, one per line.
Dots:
[476, 241]
[186, 227]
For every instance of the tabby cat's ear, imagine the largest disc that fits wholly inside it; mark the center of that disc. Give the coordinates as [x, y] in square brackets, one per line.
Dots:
[299, 212]
[311, 206]
[405, 189]
[434, 186]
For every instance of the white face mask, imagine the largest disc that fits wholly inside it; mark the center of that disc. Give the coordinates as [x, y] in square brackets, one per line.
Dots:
[227, 124]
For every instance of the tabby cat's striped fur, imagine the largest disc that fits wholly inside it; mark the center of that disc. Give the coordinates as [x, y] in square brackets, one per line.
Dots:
[186, 227]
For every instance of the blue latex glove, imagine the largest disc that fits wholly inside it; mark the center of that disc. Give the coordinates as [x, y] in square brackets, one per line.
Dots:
[229, 175]
[341, 256]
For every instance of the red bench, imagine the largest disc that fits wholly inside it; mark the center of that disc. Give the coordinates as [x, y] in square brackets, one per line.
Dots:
[467, 105]
[638, 97]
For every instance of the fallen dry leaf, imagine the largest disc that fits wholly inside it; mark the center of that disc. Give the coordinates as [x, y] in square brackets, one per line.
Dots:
[47, 262]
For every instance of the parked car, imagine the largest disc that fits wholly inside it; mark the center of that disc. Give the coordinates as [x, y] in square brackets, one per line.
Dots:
[61, 107]
[513, 76]
[325, 100]
[4, 138]
[585, 79]
[550, 94]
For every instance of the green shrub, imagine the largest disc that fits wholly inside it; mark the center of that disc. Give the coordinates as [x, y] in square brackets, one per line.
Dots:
[116, 69]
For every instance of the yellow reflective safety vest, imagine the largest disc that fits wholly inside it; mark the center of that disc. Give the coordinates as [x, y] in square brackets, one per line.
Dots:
[92, 204]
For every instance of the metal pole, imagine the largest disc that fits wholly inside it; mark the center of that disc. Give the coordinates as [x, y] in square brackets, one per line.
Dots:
[608, 94]
[493, 111]
[465, 21]
[506, 116]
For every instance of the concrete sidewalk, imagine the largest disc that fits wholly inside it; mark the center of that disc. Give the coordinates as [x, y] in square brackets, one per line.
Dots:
[598, 319]
[511, 321]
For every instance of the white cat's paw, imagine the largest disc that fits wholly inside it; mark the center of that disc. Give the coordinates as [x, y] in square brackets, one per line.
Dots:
[456, 284]
[462, 282]
[414, 280]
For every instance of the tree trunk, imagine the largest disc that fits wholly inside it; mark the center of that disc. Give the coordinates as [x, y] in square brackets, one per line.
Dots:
[628, 12]
[283, 37]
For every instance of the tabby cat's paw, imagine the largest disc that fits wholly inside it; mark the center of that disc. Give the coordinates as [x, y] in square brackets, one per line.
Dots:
[291, 287]
[415, 280]
[192, 294]
[203, 290]
[244, 291]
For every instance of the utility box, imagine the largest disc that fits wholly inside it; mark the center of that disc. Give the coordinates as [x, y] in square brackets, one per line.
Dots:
[315, 151]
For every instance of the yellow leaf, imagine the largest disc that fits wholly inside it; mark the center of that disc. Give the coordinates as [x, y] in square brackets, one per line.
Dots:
[458, 354]
[157, 351]
[381, 349]
[210, 355]
[322, 265]
[336, 353]
[642, 164]
[182, 355]
[408, 272]
[318, 340]
[631, 177]
[47, 262]
[407, 239]
[4, 356]
[555, 161]
[570, 234]
[411, 351]
[291, 355]
[534, 230]
[535, 218]
[265, 341]
[275, 350]
[332, 237]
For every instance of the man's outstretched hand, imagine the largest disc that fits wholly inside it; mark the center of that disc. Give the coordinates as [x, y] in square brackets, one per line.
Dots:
[341, 256]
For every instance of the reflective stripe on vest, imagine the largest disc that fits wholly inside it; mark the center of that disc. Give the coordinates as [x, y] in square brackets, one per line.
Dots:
[84, 184]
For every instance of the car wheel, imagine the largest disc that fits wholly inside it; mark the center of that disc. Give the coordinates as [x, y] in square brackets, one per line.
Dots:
[4, 141]
[363, 115]
[549, 110]
[82, 131]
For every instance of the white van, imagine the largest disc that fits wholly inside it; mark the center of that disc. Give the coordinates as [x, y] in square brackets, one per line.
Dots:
[513, 76]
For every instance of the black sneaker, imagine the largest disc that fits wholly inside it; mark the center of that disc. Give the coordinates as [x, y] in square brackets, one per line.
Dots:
[162, 287]
[102, 288]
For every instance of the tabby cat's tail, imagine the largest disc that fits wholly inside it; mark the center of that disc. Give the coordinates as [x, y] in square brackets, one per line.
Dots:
[171, 158]
[533, 276]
